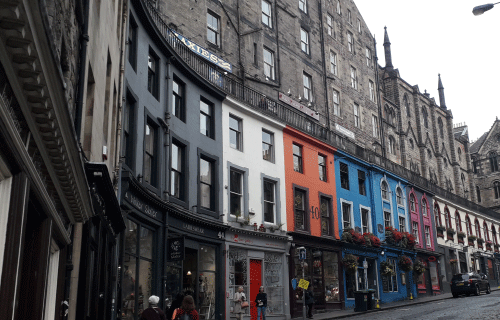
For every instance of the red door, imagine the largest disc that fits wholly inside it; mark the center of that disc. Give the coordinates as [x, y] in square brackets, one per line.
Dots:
[255, 283]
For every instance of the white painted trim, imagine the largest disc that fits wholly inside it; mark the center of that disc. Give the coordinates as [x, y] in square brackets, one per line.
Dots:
[351, 213]
[370, 229]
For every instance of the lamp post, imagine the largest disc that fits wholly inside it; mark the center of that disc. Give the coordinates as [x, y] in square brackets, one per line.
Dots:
[479, 10]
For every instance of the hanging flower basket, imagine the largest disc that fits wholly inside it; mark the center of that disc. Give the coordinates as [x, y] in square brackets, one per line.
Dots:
[418, 267]
[350, 262]
[480, 240]
[387, 269]
[405, 263]
[453, 261]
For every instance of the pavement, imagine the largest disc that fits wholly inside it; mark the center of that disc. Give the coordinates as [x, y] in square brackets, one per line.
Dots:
[340, 314]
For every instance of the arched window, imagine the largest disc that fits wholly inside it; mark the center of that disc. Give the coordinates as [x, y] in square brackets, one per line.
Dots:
[407, 106]
[447, 217]
[463, 185]
[486, 233]
[385, 191]
[441, 129]
[437, 215]
[399, 196]
[478, 193]
[474, 164]
[468, 226]
[493, 161]
[392, 145]
[494, 234]
[478, 228]
[458, 222]
[425, 209]
[413, 207]
[424, 116]
[496, 189]
[459, 152]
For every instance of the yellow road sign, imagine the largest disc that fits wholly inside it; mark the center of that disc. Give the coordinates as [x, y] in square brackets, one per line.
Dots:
[304, 284]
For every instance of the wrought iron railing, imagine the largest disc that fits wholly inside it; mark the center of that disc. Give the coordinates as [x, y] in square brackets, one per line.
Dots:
[234, 87]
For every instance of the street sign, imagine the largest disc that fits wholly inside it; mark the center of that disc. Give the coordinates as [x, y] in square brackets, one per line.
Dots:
[304, 284]
[302, 253]
[294, 283]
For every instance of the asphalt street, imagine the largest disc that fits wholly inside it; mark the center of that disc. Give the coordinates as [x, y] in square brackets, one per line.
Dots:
[485, 306]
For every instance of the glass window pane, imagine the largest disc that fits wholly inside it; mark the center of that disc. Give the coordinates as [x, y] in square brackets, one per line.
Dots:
[176, 158]
[268, 191]
[235, 181]
[128, 287]
[266, 137]
[233, 139]
[205, 171]
[207, 258]
[146, 243]
[131, 237]
[234, 124]
[205, 195]
[145, 277]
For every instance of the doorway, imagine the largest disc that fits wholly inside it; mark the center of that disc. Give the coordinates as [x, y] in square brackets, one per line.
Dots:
[255, 283]
[372, 276]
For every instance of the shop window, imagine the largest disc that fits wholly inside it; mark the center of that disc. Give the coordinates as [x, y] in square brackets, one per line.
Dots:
[238, 271]
[390, 283]
[421, 283]
[331, 276]
[273, 282]
[206, 282]
[434, 276]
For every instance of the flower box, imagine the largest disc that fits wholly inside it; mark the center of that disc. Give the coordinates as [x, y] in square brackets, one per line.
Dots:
[450, 231]
[471, 243]
[480, 240]
[461, 234]
[461, 240]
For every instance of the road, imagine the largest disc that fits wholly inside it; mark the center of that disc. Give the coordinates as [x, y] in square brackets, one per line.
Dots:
[485, 306]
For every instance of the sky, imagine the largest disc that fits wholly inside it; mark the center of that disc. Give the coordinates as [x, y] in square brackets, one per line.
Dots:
[444, 37]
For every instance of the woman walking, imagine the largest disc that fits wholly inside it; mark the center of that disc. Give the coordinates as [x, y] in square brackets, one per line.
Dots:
[239, 298]
[261, 303]
[187, 310]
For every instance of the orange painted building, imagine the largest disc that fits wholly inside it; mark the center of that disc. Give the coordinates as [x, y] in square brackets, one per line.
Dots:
[312, 219]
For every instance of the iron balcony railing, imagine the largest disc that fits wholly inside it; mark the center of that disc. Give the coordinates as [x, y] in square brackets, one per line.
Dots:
[233, 86]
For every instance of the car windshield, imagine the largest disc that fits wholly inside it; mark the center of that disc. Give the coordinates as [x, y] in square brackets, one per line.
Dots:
[460, 277]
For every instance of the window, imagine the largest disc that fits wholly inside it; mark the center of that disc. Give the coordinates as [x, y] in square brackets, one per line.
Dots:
[427, 236]
[207, 197]
[441, 129]
[150, 155]
[399, 196]
[402, 224]
[413, 207]
[235, 193]
[458, 223]
[177, 171]
[385, 190]
[300, 210]
[269, 64]
[424, 208]
[371, 87]
[178, 99]
[128, 134]
[344, 176]
[349, 16]
[478, 193]
[269, 201]
[478, 229]
[153, 65]
[486, 233]
[474, 165]
[267, 146]
[447, 218]
[297, 158]
[494, 234]
[336, 103]
[322, 167]
[354, 78]
[375, 126]
[213, 32]
[255, 61]
[333, 62]
[496, 189]
[361, 182]
[356, 115]
[338, 7]
[407, 106]
[414, 230]
[459, 152]
[350, 42]
[468, 226]
[387, 219]
[346, 215]
[368, 57]
[493, 162]
[235, 133]
[365, 220]
[266, 14]
[307, 80]
[304, 40]
[424, 115]
[359, 26]
[325, 209]
[392, 148]
[303, 5]
[132, 43]
[329, 23]
[391, 285]
[206, 119]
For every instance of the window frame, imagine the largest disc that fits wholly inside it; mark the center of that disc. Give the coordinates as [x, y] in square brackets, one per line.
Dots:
[384, 189]
[308, 86]
[154, 155]
[402, 223]
[303, 6]
[269, 64]
[357, 119]
[493, 161]
[336, 104]
[305, 203]
[153, 73]
[214, 182]
[376, 131]
[496, 189]
[415, 231]
[349, 17]
[428, 241]
[369, 57]
[349, 204]
[235, 193]
[132, 42]
[333, 63]
[182, 173]
[354, 78]
[274, 202]
[299, 157]
[304, 43]
[330, 25]
[387, 218]
[368, 221]
[322, 167]
[268, 15]
[362, 182]
[344, 175]
[209, 116]
[399, 197]
[178, 99]
[329, 219]
[238, 132]
[371, 88]
[350, 42]
[215, 31]
[270, 144]
[129, 133]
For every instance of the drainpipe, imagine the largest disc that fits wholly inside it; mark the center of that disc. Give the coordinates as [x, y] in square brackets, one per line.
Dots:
[84, 39]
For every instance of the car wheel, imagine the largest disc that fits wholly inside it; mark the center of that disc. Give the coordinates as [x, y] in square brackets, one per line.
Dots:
[488, 291]
[477, 291]
[455, 295]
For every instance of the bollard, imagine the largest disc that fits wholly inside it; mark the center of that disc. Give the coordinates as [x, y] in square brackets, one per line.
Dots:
[411, 296]
[378, 305]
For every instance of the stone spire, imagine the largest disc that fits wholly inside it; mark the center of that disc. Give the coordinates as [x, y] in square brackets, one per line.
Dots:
[442, 103]
[387, 50]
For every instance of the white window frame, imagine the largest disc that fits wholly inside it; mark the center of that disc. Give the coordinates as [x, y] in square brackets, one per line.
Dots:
[386, 220]
[330, 25]
[303, 5]
[336, 104]
[304, 41]
[269, 65]
[402, 227]
[361, 207]
[357, 119]
[351, 213]
[398, 193]
[415, 231]
[241, 195]
[333, 63]
[427, 235]
[388, 191]
[267, 15]
[371, 87]
[354, 78]
[273, 203]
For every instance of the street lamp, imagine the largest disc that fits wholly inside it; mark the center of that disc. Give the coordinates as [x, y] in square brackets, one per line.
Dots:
[479, 10]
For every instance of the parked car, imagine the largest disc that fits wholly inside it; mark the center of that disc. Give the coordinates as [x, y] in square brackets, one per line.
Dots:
[467, 283]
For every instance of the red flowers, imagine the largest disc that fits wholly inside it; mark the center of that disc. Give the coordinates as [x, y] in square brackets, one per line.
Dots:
[403, 239]
[365, 239]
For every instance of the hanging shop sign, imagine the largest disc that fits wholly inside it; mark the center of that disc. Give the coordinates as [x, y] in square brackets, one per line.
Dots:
[175, 249]
[289, 101]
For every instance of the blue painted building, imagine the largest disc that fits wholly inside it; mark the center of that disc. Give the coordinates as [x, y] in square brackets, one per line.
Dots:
[370, 199]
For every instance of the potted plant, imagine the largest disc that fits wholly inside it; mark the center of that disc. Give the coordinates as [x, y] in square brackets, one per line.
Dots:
[387, 269]
[450, 231]
[461, 234]
[371, 240]
[346, 235]
[418, 267]
[392, 235]
[350, 262]
[405, 263]
[275, 228]
[472, 238]
[408, 241]
[453, 261]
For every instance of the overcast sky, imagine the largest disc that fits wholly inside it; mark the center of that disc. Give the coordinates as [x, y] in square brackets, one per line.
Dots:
[443, 36]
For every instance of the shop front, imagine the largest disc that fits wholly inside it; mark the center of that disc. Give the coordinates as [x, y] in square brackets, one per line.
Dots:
[428, 281]
[322, 268]
[256, 259]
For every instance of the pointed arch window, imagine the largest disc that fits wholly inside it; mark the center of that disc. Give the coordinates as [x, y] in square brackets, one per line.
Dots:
[424, 115]
[486, 233]
[399, 196]
[413, 206]
[463, 183]
[496, 189]
[447, 217]
[407, 106]
[437, 215]
[478, 228]
[392, 145]
[474, 165]
[494, 234]
[441, 129]
[425, 208]
[385, 191]
[468, 226]
[458, 222]
[493, 161]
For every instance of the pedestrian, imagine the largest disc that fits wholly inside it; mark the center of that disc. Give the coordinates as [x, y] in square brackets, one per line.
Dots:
[153, 312]
[175, 304]
[239, 298]
[309, 302]
[261, 303]
[187, 310]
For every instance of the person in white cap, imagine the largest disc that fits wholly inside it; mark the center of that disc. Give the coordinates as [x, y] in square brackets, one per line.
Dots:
[153, 312]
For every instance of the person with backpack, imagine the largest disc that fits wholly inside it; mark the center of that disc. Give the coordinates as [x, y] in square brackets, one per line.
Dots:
[187, 310]
[153, 312]
[261, 303]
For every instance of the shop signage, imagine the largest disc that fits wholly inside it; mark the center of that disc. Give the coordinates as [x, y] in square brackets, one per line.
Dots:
[192, 228]
[199, 50]
[304, 284]
[345, 131]
[294, 283]
[175, 249]
[140, 205]
[289, 101]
